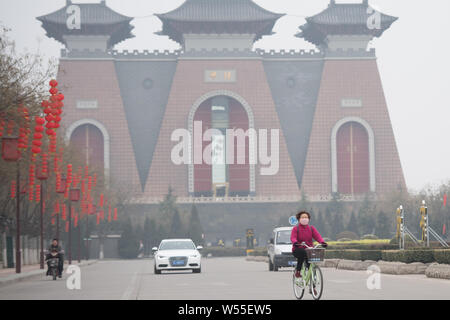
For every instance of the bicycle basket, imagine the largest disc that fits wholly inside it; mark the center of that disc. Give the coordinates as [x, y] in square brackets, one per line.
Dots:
[315, 255]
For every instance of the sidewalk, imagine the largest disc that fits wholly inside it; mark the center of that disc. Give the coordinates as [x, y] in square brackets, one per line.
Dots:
[9, 275]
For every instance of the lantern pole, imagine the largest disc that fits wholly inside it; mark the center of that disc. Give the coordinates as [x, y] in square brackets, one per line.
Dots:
[70, 232]
[42, 225]
[79, 238]
[18, 256]
[87, 236]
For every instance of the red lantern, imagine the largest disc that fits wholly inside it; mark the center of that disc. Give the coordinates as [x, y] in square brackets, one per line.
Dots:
[115, 214]
[36, 150]
[74, 194]
[13, 189]
[10, 149]
[38, 193]
[62, 186]
[40, 121]
[42, 173]
[53, 83]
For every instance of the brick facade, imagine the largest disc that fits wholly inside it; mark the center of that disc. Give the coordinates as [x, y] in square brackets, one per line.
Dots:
[351, 79]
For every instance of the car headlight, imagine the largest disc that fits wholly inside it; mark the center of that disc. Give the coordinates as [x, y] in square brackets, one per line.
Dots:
[278, 251]
[161, 257]
[194, 256]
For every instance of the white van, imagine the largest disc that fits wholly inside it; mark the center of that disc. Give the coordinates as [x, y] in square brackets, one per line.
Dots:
[279, 249]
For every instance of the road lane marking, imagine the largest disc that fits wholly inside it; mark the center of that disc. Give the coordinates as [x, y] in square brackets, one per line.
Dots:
[129, 291]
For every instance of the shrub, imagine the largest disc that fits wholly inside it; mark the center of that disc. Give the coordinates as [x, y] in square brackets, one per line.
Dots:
[369, 237]
[442, 256]
[224, 251]
[261, 251]
[344, 240]
[351, 254]
[347, 235]
[408, 256]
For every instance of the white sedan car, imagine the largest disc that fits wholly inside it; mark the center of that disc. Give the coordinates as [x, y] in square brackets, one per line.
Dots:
[177, 254]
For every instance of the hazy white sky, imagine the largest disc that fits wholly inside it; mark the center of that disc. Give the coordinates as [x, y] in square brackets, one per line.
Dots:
[413, 57]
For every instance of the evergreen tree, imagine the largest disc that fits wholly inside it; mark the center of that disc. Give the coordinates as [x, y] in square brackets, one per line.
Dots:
[383, 226]
[129, 242]
[304, 203]
[176, 228]
[195, 230]
[353, 224]
[318, 222]
[366, 219]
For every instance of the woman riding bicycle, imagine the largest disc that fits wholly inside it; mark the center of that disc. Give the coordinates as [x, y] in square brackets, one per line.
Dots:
[303, 232]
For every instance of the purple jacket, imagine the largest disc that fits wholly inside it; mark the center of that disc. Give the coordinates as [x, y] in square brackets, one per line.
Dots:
[305, 234]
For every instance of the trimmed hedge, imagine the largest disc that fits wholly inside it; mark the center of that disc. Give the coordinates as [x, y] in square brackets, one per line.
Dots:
[224, 251]
[232, 251]
[408, 256]
[358, 246]
[442, 256]
[351, 254]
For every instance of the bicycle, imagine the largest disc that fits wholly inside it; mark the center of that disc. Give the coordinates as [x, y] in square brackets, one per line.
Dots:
[311, 277]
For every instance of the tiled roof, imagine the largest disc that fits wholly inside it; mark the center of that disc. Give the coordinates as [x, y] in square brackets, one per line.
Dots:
[344, 18]
[95, 19]
[218, 16]
[219, 10]
[91, 13]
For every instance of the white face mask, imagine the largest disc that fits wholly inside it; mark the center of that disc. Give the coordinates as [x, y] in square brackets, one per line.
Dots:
[304, 221]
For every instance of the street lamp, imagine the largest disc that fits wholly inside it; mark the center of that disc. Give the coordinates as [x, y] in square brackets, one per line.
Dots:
[74, 196]
[11, 153]
[42, 175]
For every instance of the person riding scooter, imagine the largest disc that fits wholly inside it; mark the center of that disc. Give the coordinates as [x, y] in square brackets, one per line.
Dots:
[55, 248]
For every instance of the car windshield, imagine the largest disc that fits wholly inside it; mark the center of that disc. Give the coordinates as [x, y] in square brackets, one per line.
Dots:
[177, 245]
[283, 237]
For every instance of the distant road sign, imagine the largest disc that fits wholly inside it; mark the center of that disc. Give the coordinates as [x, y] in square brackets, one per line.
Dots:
[293, 221]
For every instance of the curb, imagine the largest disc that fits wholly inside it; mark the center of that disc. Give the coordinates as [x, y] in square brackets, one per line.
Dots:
[257, 258]
[33, 274]
[439, 271]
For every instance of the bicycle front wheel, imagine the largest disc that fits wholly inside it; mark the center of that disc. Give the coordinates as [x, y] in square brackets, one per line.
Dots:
[298, 285]
[317, 283]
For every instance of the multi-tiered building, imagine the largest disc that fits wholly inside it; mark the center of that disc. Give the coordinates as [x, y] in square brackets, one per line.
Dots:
[328, 105]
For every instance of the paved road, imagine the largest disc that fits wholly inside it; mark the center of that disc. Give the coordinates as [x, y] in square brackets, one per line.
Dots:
[221, 278]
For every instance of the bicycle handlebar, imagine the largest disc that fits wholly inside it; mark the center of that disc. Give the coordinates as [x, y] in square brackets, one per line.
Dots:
[315, 247]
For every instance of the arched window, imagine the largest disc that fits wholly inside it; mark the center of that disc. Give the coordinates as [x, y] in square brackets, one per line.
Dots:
[221, 178]
[88, 141]
[353, 159]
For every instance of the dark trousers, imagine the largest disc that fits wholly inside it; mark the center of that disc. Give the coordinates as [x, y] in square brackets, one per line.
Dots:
[300, 254]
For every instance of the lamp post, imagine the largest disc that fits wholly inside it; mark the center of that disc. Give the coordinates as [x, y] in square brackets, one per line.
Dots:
[42, 176]
[92, 211]
[11, 153]
[74, 196]
[61, 189]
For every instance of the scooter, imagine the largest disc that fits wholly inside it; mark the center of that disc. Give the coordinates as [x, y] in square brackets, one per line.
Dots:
[53, 265]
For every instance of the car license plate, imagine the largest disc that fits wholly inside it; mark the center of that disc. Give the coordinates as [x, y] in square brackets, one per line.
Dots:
[178, 262]
[292, 263]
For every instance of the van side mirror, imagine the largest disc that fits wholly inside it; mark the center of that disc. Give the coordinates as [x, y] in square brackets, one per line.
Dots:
[271, 241]
[154, 249]
[199, 247]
